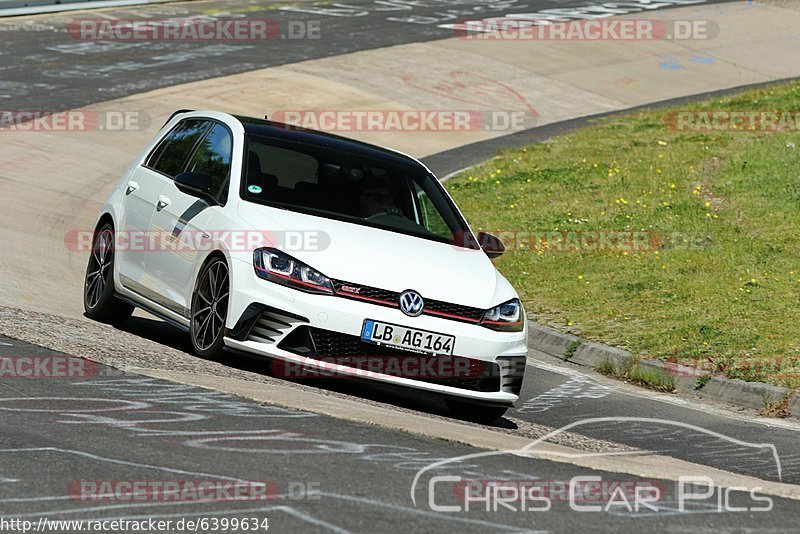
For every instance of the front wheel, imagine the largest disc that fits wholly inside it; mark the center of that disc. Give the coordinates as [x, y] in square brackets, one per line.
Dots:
[210, 309]
[99, 300]
[475, 412]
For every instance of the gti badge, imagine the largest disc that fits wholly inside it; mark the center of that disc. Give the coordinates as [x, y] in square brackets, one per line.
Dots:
[411, 303]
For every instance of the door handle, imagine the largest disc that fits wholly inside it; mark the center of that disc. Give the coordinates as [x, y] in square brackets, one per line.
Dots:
[132, 186]
[163, 202]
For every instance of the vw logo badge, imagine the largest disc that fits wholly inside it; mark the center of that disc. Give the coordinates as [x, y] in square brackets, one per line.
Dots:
[411, 303]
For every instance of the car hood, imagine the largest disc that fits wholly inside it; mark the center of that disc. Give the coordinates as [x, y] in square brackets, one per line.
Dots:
[380, 258]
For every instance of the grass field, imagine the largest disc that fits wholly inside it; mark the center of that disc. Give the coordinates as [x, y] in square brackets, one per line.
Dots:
[710, 268]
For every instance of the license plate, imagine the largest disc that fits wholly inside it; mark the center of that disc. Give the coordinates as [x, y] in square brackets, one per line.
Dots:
[401, 337]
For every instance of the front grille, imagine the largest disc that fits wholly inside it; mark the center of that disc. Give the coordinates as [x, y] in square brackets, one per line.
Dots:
[391, 299]
[464, 312]
[347, 350]
[334, 344]
[365, 292]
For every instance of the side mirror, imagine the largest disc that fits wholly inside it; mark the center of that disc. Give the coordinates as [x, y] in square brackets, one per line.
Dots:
[197, 184]
[491, 245]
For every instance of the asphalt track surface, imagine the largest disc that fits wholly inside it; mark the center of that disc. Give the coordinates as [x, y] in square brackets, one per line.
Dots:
[44, 66]
[319, 474]
[556, 394]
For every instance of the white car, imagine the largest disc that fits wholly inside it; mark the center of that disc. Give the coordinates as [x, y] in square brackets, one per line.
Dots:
[331, 256]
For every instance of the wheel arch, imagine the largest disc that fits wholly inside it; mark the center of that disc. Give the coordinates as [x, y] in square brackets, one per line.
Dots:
[216, 253]
[104, 218]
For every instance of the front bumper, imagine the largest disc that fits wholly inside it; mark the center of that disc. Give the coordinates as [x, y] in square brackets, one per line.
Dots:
[264, 317]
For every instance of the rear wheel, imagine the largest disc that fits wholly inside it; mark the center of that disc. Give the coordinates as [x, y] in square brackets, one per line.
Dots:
[99, 300]
[475, 412]
[210, 309]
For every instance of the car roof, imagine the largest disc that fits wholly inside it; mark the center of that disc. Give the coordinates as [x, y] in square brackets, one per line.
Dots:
[287, 132]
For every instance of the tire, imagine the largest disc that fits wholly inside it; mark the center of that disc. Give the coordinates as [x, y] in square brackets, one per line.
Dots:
[99, 298]
[475, 412]
[210, 309]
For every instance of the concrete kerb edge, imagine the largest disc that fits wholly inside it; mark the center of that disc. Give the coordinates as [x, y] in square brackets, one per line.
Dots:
[569, 347]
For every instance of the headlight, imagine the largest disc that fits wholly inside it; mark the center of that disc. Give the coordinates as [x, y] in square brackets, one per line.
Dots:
[276, 266]
[507, 317]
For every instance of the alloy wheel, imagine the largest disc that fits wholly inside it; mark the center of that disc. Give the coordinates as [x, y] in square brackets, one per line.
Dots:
[99, 264]
[211, 305]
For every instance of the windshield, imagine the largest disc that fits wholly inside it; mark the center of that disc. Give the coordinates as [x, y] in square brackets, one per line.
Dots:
[350, 187]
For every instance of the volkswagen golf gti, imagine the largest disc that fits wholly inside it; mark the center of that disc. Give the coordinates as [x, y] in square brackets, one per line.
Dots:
[330, 256]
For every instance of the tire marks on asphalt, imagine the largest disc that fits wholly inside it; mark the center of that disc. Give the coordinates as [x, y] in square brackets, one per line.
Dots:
[571, 396]
[573, 389]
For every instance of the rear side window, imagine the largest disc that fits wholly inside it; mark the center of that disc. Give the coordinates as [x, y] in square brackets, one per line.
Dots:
[213, 157]
[170, 155]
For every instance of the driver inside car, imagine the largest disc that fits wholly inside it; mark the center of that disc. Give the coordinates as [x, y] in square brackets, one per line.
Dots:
[377, 199]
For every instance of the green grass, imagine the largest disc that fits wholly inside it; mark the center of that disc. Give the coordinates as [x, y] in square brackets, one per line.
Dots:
[721, 284]
[653, 378]
[569, 352]
[607, 368]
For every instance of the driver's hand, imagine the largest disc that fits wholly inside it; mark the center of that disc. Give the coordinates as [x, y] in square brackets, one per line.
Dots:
[394, 210]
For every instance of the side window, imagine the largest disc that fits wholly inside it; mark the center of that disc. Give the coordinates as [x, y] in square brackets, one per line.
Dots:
[170, 155]
[288, 168]
[429, 215]
[213, 157]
